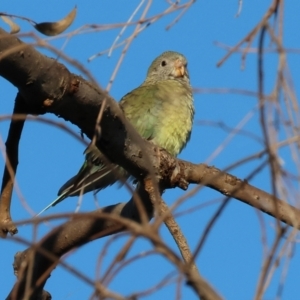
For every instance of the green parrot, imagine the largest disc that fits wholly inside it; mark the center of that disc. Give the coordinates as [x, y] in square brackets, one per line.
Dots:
[162, 111]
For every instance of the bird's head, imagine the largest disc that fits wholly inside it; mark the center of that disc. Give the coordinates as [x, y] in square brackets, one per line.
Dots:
[169, 65]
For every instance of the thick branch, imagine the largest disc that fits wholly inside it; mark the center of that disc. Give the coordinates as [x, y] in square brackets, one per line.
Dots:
[36, 263]
[41, 259]
[47, 86]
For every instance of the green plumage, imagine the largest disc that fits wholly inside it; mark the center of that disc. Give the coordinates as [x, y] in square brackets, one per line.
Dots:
[158, 114]
[161, 110]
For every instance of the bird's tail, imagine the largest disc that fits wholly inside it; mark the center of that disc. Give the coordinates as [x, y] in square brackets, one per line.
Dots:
[53, 203]
[94, 175]
[92, 181]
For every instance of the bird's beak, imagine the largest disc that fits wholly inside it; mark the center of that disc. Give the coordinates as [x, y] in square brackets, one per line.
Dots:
[179, 70]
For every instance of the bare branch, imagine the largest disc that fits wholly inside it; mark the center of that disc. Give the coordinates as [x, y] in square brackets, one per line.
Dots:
[10, 168]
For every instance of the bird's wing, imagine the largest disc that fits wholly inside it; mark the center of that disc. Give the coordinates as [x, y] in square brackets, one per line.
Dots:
[142, 107]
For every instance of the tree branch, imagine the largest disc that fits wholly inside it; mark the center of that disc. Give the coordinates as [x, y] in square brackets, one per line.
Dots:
[80, 230]
[10, 168]
[232, 186]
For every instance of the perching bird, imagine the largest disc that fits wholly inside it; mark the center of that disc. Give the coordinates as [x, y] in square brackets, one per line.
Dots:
[162, 111]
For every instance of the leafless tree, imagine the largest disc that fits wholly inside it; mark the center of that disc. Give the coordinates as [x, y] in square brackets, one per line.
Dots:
[47, 86]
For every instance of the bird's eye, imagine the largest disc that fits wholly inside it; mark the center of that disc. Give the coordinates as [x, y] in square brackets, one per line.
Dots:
[163, 63]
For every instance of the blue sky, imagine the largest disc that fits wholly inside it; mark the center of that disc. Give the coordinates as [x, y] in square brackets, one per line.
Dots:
[234, 251]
